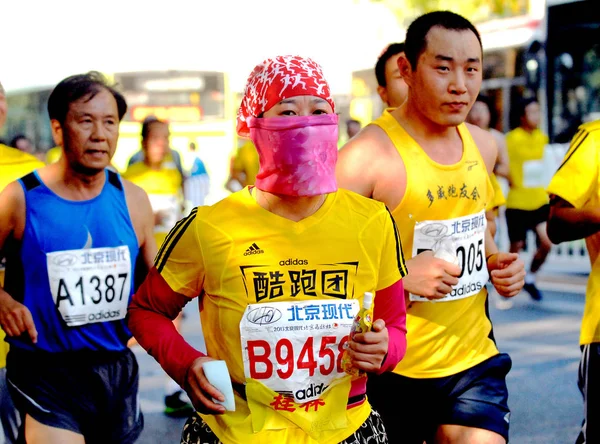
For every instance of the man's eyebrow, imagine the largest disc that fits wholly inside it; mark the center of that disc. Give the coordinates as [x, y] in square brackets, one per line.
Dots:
[451, 59]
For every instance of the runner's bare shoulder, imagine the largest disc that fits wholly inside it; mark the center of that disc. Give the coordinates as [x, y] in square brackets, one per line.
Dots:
[137, 200]
[486, 143]
[357, 166]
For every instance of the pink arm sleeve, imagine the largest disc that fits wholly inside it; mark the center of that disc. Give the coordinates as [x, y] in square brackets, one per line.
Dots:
[391, 307]
[150, 319]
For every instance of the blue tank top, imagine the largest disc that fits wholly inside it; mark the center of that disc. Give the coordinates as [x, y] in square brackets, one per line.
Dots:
[76, 261]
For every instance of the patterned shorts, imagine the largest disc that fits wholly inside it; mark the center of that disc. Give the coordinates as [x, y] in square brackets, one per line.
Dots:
[372, 431]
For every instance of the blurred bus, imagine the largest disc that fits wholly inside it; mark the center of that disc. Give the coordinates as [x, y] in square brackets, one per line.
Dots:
[197, 104]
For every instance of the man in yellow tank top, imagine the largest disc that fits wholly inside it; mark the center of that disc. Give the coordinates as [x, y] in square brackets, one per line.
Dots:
[432, 170]
[527, 201]
[575, 214]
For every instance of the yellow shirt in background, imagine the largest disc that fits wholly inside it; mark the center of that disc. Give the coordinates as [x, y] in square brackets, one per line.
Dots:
[525, 160]
[578, 182]
[14, 164]
[163, 187]
[246, 160]
[53, 154]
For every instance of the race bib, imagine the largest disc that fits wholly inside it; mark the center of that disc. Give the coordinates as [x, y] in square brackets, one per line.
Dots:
[535, 174]
[465, 235]
[91, 285]
[170, 209]
[295, 348]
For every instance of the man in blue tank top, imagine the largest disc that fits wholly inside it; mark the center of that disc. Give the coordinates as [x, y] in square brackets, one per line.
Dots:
[75, 234]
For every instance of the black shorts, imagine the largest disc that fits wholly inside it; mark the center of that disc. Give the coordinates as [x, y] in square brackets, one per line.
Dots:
[589, 384]
[372, 431]
[94, 394]
[519, 222]
[413, 409]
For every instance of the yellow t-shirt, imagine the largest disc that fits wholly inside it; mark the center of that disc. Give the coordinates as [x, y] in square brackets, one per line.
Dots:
[236, 253]
[525, 156]
[53, 154]
[14, 164]
[163, 187]
[444, 338]
[578, 182]
[246, 160]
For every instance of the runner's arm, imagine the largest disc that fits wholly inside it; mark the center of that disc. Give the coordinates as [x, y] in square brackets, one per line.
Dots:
[142, 217]
[502, 167]
[15, 318]
[150, 318]
[381, 349]
[567, 223]
[572, 189]
[391, 307]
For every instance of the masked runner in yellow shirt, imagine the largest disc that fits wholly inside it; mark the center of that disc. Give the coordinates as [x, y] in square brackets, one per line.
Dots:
[280, 269]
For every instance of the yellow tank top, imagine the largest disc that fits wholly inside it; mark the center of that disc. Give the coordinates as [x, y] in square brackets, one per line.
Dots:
[443, 338]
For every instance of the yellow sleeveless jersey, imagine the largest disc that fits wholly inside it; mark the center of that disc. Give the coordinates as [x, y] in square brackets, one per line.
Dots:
[14, 164]
[236, 253]
[578, 182]
[525, 155]
[443, 338]
[163, 187]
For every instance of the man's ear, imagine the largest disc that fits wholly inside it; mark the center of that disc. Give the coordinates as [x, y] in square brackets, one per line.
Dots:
[405, 69]
[57, 132]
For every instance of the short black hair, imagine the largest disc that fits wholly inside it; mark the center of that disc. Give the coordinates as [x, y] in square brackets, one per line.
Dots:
[524, 103]
[489, 102]
[389, 52]
[79, 86]
[16, 139]
[416, 34]
[147, 123]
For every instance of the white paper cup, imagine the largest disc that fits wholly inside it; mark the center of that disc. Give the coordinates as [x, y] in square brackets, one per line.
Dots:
[218, 375]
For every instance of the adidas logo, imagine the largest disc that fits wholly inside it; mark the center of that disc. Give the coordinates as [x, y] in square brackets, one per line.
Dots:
[253, 249]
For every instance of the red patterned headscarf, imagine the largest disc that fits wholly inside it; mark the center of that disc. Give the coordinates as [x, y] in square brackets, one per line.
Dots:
[277, 79]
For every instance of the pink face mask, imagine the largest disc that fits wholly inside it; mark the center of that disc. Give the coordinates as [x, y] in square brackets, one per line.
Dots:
[297, 154]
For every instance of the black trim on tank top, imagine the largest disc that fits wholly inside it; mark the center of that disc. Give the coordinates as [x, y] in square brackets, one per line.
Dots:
[30, 181]
[113, 179]
[487, 315]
